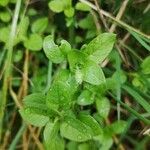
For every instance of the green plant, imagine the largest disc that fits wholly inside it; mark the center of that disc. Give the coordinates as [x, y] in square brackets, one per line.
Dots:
[60, 109]
[76, 86]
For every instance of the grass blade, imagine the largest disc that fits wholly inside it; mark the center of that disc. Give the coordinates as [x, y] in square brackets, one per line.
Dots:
[138, 98]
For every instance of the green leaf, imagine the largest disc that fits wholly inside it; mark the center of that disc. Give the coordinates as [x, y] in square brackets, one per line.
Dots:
[76, 59]
[4, 2]
[34, 43]
[37, 100]
[71, 145]
[52, 50]
[32, 118]
[83, 7]
[18, 55]
[73, 129]
[92, 123]
[59, 96]
[116, 128]
[51, 138]
[5, 16]
[39, 25]
[69, 12]
[23, 27]
[146, 65]
[56, 5]
[84, 146]
[87, 23]
[93, 74]
[65, 47]
[103, 107]
[85, 98]
[4, 34]
[100, 47]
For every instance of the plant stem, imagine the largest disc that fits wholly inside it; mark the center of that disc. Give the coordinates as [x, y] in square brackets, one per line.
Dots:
[17, 137]
[119, 22]
[49, 77]
[8, 63]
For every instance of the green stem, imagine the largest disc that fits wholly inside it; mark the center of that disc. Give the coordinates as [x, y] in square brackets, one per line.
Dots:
[17, 137]
[49, 77]
[8, 63]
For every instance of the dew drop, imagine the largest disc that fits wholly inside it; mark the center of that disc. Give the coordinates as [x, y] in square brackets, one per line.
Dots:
[27, 110]
[79, 137]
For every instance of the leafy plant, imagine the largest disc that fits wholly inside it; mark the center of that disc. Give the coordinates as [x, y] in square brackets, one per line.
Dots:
[76, 86]
[59, 109]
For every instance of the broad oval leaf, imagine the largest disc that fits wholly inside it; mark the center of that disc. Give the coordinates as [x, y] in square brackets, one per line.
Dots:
[103, 106]
[92, 123]
[85, 98]
[37, 100]
[52, 50]
[51, 138]
[65, 47]
[33, 118]
[116, 127]
[23, 27]
[5, 16]
[69, 12]
[4, 2]
[34, 43]
[39, 25]
[92, 73]
[56, 5]
[83, 7]
[99, 48]
[73, 129]
[76, 59]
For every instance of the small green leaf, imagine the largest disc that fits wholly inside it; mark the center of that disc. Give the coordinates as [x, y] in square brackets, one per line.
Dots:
[69, 12]
[103, 106]
[5, 16]
[84, 146]
[65, 47]
[99, 48]
[52, 50]
[71, 145]
[4, 2]
[93, 74]
[35, 100]
[18, 55]
[34, 43]
[116, 128]
[73, 129]
[92, 123]
[23, 27]
[76, 60]
[87, 23]
[39, 25]
[85, 98]
[51, 138]
[4, 34]
[59, 96]
[83, 7]
[56, 5]
[32, 118]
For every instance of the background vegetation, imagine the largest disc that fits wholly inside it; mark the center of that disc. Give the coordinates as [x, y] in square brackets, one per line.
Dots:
[47, 52]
